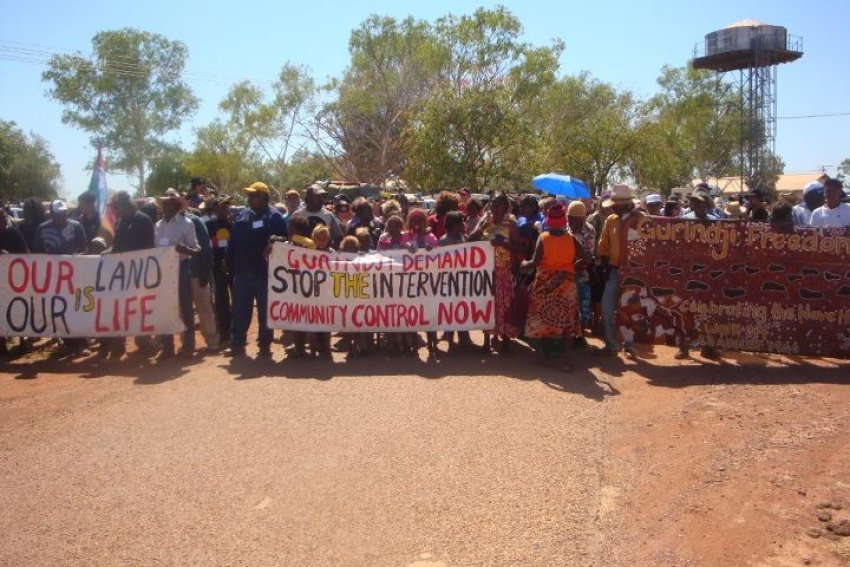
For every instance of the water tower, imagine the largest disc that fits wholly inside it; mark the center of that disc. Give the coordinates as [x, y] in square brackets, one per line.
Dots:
[754, 50]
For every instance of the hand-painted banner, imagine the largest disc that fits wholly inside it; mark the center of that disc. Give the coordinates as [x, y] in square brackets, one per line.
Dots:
[134, 293]
[448, 288]
[738, 286]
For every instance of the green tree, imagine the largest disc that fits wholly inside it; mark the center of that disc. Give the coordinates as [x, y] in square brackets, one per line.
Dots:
[223, 156]
[306, 167]
[394, 67]
[27, 168]
[656, 162]
[702, 114]
[273, 130]
[128, 95]
[588, 129]
[476, 128]
[168, 169]
[844, 172]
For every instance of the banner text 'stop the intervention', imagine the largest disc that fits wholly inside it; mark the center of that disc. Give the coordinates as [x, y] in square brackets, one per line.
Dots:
[449, 288]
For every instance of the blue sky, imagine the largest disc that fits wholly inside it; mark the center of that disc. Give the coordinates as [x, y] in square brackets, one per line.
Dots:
[622, 42]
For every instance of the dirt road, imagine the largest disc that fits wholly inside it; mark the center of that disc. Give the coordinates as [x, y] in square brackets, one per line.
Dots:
[391, 461]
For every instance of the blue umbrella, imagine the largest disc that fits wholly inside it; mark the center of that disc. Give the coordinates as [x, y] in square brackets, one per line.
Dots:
[557, 184]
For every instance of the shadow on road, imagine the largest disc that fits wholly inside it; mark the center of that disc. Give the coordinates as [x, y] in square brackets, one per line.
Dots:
[740, 368]
[592, 378]
[517, 366]
[143, 370]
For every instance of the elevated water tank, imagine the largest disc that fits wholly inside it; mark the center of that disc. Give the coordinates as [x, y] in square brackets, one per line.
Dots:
[747, 44]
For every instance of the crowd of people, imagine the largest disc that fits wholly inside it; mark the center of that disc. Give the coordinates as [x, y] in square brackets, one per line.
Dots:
[556, 276]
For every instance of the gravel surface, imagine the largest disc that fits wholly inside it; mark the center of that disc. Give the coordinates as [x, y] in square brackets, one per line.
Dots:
[373, 462]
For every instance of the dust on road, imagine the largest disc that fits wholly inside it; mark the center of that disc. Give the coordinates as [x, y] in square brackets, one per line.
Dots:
[392, 461]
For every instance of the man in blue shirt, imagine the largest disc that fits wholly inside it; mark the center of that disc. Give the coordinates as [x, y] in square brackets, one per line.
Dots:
[250, 235]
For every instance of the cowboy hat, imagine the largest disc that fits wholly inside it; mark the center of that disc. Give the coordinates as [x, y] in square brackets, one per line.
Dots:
[171, 195]
[621, 192]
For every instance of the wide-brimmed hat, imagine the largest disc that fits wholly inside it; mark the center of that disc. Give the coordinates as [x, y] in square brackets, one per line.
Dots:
[256, 188]
[733, 210]
[216, 200]
[577, 209]
[171, 195]
[621, 192]
[702, 195]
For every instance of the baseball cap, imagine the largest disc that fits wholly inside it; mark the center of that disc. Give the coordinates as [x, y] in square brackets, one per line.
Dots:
[655, 198]
[58, 206]
[812, 186]
[255, 188]
[315, 189]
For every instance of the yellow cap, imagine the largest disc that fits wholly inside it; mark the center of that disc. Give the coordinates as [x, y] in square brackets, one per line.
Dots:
[256, 187]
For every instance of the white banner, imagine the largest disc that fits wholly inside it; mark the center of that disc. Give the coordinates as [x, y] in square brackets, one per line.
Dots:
[446, 289]
[134, 293]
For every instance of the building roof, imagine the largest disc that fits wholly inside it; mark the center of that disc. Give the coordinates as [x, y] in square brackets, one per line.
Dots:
[786, 183]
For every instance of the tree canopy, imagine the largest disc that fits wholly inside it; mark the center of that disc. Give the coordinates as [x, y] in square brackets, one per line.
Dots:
[458, 101]
[27, 168]
[129, 95]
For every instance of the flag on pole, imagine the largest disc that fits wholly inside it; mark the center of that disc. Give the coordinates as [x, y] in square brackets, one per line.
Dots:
[97, 185]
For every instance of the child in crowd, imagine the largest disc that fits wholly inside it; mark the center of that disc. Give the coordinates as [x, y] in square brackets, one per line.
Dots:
[391, 239]
[455, 227]
[320, 342]
[358, 343]
[299, 235]
[416, 235]
[322, 238]
[364, 238]
[350, 244]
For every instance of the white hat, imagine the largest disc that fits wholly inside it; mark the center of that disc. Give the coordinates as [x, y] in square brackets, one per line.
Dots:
[812, 186]
[621, 193]
[653, 199]
[58, 206]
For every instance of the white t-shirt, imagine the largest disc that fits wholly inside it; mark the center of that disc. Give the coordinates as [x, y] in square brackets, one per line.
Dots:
[824, 217]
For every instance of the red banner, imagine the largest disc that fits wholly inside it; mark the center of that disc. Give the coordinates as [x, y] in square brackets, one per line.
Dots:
[737, 286]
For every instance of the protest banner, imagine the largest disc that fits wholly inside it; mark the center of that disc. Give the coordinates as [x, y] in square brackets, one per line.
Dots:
[447, 288]
[737, 285]
[133, 293]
